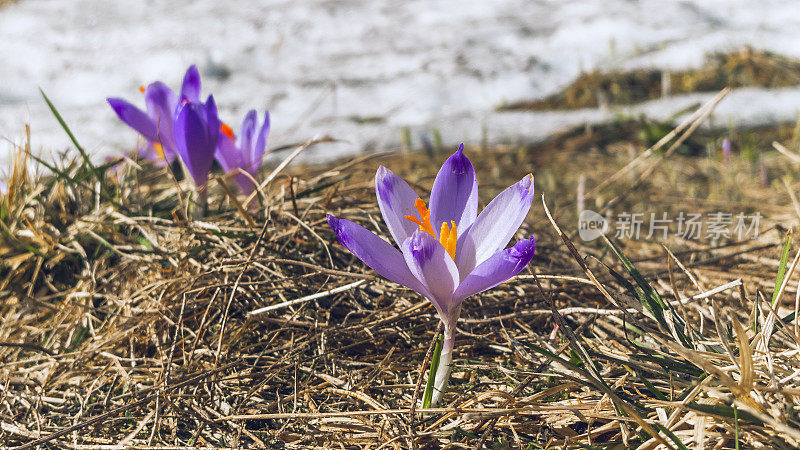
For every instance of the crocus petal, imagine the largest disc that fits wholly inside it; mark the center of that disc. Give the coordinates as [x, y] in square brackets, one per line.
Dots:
[196, 136]
[261, 141]
[454, 196]
[228, 154]
[245, 183]
[162, 104]
[211, 110]
[376, 253]
[396, 200]
[434, 267]
[498, 268]
[495, 226]
[260, 146]
[134, 118]
[190, 89]
[244, 155]
[248, 131]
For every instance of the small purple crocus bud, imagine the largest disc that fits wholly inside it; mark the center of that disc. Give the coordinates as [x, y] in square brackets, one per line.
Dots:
[196, 135]
[726, 151]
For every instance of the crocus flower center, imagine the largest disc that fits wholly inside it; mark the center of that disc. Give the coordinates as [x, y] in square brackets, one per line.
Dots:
[141, 88]
[227, 131]
[448, 234]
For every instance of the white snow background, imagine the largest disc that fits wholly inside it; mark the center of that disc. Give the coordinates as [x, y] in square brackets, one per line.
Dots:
[361, 70]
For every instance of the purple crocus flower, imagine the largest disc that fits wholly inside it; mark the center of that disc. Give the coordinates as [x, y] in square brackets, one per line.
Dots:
[157, 124]
[244, 154]
[726, 151]
[197, 129]
[449, 252]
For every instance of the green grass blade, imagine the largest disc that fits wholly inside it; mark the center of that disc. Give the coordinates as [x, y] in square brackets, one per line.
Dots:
[86, 160]
[670, 435]
[725, 411]
[619, 404]
[651, 299]
[77, 181]
[669, 363]
[60, 174]
[650, 387]
[428, 395]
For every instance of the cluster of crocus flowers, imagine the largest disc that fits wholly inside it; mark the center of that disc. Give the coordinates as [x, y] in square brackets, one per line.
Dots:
[448, 252]
[180, 125]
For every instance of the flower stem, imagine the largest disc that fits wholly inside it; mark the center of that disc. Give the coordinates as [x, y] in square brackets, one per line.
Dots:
[445, 364]
[200, 207]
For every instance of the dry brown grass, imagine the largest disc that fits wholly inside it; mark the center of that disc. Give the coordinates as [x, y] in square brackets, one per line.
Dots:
[746, 67]
[126, 325]
[4, 3]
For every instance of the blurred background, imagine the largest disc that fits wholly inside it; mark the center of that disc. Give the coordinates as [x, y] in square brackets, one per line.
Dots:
[389, 74]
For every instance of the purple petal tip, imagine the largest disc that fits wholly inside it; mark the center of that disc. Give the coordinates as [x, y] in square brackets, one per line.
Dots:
[525, 185]
[117, 104]
[458, 162]
[524, 248]
[191, 84]
[383, 184]
[522, 253]
[333, 222]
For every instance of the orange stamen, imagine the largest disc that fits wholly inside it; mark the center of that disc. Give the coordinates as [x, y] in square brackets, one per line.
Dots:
[425, 215]
[448, 238]
[141, 88]
[448, 234]
[444, 231]
[416, 221]
[227, 131]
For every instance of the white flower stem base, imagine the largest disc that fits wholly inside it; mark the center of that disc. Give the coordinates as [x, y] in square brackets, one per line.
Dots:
[445, 365]
[200, 207]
